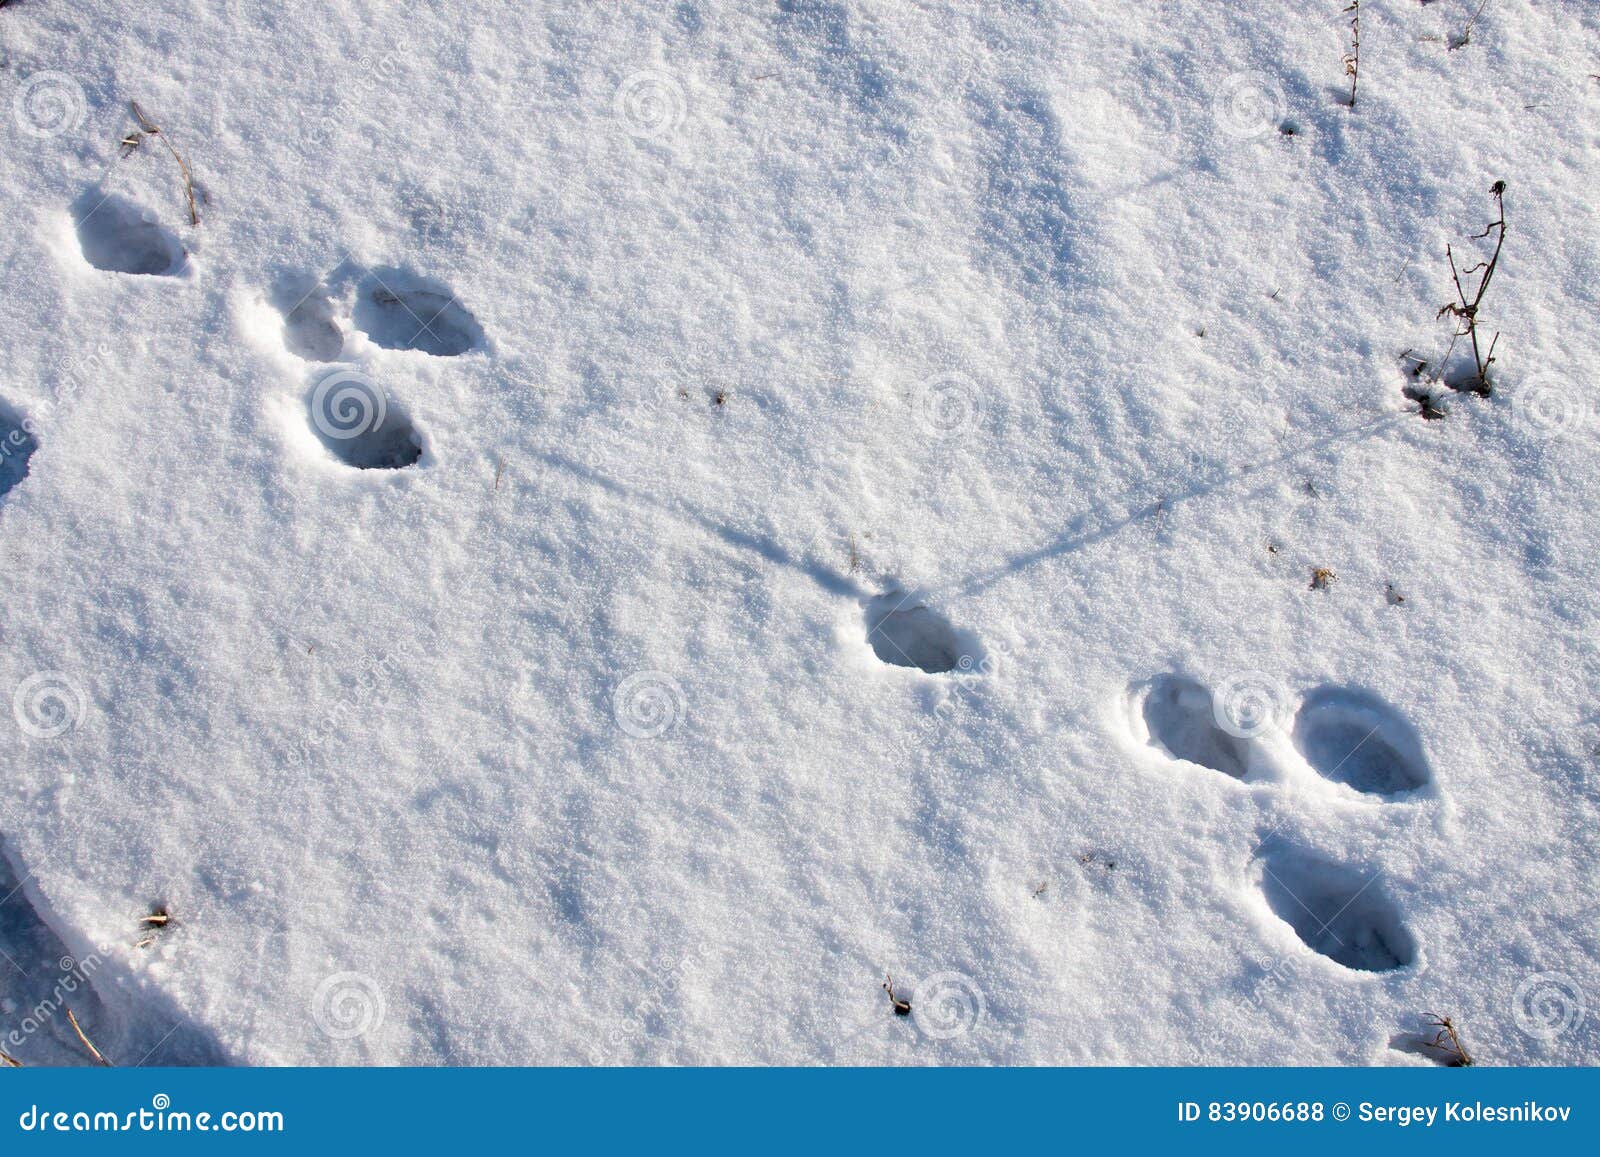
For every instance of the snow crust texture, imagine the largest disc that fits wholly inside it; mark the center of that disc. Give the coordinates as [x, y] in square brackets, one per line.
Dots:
[626, 527]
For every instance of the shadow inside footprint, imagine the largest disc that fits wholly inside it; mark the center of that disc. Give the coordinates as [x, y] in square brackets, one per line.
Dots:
[1342, 913]
[360, 426]
[399, 311]
[905, 632]
[1355, 738]
[17, 445]
[1181, 718]
[309, 328]
[40, 982]
[118, 237]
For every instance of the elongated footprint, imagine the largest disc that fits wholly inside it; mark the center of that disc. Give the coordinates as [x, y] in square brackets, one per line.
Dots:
[1355, 738]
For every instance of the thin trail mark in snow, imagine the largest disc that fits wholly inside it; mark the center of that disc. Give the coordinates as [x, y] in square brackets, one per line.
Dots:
[826, 577]
[1076, 539]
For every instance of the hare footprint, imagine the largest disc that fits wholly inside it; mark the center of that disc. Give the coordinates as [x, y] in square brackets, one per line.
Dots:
[1355, 738]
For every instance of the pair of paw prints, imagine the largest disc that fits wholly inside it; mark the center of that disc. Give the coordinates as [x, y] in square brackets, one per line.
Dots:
[1345, 736]
[355, 418]
[395, 308]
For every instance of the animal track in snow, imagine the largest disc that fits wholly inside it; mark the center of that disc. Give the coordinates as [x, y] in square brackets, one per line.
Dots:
[17, 445]
[907, 633]
[1180, 716]
[1355, 738]
[400, 311]
[1344, 914]
[119, 237]
[360, 425]
[310, 330]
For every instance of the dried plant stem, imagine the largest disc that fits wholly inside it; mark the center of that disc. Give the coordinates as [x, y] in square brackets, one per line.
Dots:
[1465, 308]
[1466, 33]
[150, 129]
[87, 1043]
[1447, 1041]
[1352, 59]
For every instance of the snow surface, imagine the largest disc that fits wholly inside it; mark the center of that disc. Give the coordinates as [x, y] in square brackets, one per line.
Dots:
[539, 721]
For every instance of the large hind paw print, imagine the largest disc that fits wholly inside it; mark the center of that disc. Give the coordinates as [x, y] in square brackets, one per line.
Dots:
[1353, 737]
[360, 425]
[400, 311]
[119, 237]
[1343, 913]
[1179, 717]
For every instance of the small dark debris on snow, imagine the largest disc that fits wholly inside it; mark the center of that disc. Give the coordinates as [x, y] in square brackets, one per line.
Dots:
[1427, 404]
[1322, 578]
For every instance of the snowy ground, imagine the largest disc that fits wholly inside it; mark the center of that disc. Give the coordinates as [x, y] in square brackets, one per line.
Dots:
[726, 351]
